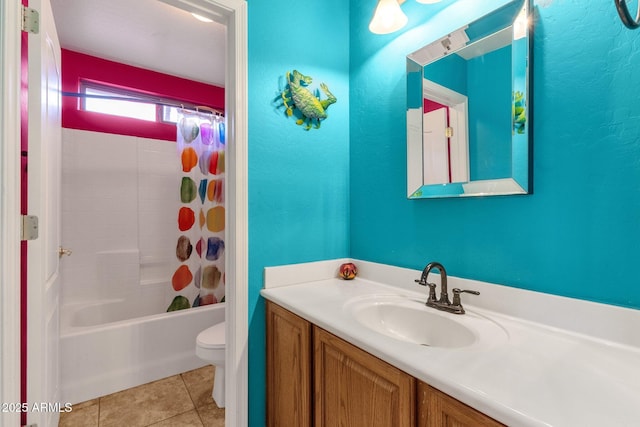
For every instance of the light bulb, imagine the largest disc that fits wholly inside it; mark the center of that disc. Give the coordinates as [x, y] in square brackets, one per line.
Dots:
[387, 18]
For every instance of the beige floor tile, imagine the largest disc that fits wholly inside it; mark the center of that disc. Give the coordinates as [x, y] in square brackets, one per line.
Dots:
[81, 405]
[211, 415]
[145, 404]
[199, 383]
[87, 416]
[188, 419]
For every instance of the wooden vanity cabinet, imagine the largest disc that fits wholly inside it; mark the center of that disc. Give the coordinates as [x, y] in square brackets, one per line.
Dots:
[354, 388]
[289, 365]
[437, 409]
[317, 379]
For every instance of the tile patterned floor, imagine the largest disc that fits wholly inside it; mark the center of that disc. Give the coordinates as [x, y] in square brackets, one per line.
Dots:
[180, 401]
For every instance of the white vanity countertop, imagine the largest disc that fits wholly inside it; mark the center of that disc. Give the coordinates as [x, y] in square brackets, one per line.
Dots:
[553, 372]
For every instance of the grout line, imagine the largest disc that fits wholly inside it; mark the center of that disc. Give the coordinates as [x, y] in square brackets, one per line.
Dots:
[188, 391]
[173, 416]
[199, 417]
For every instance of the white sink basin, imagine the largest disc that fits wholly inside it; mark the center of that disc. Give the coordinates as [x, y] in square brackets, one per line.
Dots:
[410, 320]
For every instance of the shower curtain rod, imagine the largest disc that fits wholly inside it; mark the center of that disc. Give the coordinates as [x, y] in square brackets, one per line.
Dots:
[197, 108]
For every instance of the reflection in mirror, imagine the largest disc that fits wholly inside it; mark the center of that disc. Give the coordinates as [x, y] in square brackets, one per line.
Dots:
[467, 115]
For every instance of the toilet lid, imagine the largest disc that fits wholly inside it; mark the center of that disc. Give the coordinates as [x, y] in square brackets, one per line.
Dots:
[212, 337]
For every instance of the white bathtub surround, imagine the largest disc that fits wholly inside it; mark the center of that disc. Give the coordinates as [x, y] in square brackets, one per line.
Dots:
[118, 272]
[118, 215]
[89, 313]
[99, 200]
[158, 168]
[99, 359]
[566, 362]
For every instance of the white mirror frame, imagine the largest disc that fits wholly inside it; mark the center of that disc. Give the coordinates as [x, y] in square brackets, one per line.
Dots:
[232, 13]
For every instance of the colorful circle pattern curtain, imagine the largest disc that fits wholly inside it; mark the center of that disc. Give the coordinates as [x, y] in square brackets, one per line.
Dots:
[199, 278]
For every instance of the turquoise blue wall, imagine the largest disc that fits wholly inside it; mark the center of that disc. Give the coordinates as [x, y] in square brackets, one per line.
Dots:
[489, 83]
[298, 180]
[578, 234]
[340, 191]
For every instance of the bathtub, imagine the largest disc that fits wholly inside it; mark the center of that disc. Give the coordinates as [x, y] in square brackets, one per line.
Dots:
[104, 350]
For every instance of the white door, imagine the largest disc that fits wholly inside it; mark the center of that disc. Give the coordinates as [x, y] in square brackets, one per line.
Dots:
[435, 163]
[43, 282]
[458, 144]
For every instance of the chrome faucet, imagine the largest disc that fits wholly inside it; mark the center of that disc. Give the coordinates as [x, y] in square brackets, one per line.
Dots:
[443, 302]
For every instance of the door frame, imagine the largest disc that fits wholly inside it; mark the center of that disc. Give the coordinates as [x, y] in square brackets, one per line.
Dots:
[459, 122]
[234, 15]
[10, 80]
[234, 12]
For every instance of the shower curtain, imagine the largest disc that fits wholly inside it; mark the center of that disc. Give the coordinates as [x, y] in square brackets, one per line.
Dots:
[199, 277]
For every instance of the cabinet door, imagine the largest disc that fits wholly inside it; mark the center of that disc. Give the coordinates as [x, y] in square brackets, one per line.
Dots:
[288, 368]
[354, 388]
[436, 409]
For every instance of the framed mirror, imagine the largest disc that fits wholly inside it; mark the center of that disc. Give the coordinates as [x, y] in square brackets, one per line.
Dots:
[468, 109]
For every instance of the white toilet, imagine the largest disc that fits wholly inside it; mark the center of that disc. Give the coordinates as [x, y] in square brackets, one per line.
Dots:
[210, 346]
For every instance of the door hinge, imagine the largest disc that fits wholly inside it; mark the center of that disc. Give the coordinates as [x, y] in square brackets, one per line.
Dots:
[29, 227]
[448, 132]
[30, 20]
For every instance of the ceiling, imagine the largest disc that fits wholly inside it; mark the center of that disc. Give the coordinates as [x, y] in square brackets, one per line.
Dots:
[144, 33]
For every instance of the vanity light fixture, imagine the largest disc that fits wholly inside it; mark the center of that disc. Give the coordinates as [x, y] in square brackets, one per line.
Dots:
[388, 17]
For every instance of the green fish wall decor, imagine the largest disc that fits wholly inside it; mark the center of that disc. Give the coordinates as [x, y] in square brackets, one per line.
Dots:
[310, 107]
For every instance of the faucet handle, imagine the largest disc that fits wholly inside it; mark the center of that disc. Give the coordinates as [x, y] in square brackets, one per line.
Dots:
[457, 292]
[432, 289]
[432, 292]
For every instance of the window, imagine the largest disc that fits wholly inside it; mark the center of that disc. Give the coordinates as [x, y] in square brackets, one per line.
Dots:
[111, 101]
[107, 100]
[170, 114]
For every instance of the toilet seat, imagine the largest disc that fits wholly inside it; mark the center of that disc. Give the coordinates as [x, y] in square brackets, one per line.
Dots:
[213, 337]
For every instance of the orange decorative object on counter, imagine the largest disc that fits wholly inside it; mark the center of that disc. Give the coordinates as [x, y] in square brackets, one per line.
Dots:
[348, 271]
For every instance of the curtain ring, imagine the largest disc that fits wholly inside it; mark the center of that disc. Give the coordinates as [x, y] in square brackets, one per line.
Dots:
[207, 109]
[625, 16]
